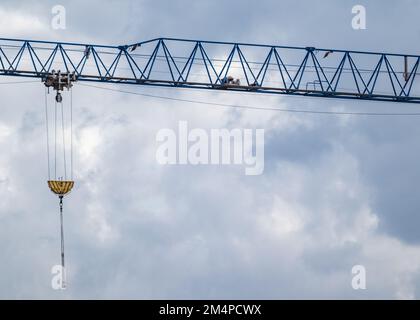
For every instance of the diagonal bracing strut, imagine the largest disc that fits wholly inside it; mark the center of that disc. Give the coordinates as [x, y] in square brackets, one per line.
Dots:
[198, 64]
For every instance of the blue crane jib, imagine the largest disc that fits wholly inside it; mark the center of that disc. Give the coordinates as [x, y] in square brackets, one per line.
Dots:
[303, 71]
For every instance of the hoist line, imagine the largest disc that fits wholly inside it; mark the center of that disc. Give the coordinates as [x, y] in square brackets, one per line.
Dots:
[62, 239]
[71, 134]
[55, 139]
[48, 135]
[64, 141]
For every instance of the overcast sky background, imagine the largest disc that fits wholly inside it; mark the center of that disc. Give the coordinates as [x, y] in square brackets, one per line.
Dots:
[336, 191]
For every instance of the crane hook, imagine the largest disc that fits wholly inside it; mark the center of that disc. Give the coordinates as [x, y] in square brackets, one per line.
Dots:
[59, 97]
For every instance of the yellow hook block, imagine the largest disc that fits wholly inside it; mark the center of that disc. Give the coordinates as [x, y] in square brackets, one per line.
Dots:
[59, 187]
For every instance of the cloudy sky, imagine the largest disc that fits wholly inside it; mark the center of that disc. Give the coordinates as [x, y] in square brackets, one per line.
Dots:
[337, 191]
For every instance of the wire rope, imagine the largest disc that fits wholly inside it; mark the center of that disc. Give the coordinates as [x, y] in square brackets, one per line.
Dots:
[256, 108]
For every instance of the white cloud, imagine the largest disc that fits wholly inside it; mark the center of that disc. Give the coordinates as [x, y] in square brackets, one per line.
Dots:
[203, 232]
[18, 23]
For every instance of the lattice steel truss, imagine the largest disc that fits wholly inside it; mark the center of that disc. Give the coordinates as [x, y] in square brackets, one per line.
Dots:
[304, 71]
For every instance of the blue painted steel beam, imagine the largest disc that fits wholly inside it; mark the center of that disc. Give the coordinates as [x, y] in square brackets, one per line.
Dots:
[243, 67]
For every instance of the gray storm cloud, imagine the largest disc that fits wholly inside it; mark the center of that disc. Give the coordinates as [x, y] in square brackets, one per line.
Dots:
[336, 191]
